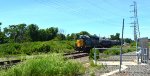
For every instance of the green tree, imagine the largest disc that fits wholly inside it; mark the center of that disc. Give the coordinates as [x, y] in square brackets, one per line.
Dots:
[21, 28]
[75, 36]
[68, 37]
[128, 40]
[115, 37]
[32, 31]
[84, 33]
[51, 33]
[11, 32]
[16, 33]
[60, 37]
[2, 37]
[42, 35]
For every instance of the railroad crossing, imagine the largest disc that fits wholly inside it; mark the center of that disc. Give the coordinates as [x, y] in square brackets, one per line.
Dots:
[140, 56]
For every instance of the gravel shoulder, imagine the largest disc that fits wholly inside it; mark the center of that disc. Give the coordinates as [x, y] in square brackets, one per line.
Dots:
[135, 70]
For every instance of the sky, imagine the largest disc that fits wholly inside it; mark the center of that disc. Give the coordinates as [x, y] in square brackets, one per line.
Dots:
[100, 17]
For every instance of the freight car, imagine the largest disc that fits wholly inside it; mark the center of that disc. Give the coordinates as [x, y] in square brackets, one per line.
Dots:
[86, 43]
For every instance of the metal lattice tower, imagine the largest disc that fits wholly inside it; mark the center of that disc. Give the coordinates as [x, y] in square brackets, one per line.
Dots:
[135, 22]
[136, 27]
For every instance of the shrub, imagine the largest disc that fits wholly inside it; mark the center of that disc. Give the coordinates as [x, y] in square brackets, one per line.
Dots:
[91, 55]
[133, 44]
[117, 52]
[112, 52]
[36, 47]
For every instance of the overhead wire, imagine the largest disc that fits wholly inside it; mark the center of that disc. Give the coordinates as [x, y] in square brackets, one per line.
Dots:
[105, 11]
[76, 12]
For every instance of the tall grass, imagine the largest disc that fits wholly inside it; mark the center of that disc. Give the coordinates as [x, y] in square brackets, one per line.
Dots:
[91, 55]
[52, 65]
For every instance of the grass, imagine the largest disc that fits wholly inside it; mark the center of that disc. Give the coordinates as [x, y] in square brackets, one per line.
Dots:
[29, 48]
[91, 55]
[93, 68]
[51, 65]
[126, 49]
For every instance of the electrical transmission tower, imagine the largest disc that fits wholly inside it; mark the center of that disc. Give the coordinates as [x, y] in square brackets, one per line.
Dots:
[135, 26]
[135, 22]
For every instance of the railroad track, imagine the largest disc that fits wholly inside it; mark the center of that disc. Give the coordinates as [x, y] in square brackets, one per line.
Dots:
[76, 55]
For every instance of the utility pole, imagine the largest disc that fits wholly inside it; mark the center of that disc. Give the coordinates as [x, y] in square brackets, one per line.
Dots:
[121, 45]
[135, 26]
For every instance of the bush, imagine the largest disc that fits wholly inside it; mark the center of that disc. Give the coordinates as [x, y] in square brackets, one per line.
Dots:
[117, 52]
[36, 47]
[53, 65]
[91, 55]
[133, 44]
[9, 49]
[112, 52]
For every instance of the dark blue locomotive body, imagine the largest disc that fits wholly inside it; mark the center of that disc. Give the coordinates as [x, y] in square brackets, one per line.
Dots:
[86, 43]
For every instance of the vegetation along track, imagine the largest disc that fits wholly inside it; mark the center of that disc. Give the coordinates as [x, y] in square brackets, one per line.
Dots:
[4, 64]
[76, 55]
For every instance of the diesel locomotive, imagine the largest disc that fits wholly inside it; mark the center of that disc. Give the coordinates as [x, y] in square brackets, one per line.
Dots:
[86, 43]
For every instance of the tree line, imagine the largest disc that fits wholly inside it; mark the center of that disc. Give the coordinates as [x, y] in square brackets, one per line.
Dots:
[31, 33]
[24, 33]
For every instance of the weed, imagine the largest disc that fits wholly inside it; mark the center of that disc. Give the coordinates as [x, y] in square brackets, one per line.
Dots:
[51, 65]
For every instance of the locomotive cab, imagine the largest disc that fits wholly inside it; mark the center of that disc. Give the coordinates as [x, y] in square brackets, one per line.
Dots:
[86, 43]
[83, 43]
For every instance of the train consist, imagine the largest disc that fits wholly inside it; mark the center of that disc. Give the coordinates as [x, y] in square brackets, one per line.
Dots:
[86, 43]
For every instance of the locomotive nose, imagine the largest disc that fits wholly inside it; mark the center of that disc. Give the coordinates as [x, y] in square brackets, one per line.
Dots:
[79, 43]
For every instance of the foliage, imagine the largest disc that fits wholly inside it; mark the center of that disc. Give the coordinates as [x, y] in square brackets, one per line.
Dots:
[92, 69]
[60, 37]
[72, 36]
[133, 44]
[115, 37]
[23, 33]
[32, 31]
[117, 52]
[75, 36]
[36, 47]
[16, 32]
[91, 55]
[48, 34]
[128, 40]
[84, 33]
[2, 36]
[52, 65]
[112, 51]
